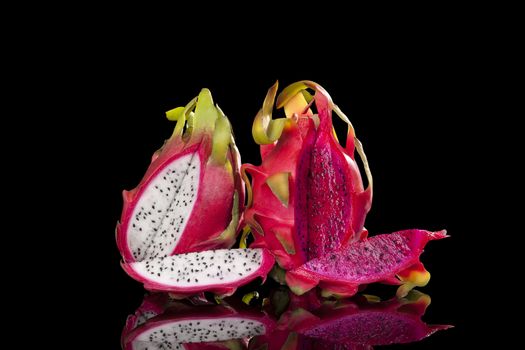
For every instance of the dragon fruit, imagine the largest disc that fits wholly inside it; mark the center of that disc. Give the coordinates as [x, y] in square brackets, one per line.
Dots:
[306, 207]
[164, 214]
[183, 326]
[362, 322]
[351, 324]
[218, 271]
[187, 207]
[390, 258]
[307, 197]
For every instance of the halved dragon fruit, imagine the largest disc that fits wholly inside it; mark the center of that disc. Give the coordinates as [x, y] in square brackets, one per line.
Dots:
[307, 197]
[187, 207]
[390, 258]
[217, 271]
[193, 178]
[184, 326]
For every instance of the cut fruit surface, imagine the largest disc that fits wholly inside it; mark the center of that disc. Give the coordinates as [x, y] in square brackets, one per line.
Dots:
[219, 271]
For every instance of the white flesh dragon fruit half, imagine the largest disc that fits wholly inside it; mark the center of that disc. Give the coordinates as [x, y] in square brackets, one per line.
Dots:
[186, 210]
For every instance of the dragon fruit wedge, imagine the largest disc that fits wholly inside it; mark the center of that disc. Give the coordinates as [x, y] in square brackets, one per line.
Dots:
[389, 258]
[193, 178]
[184, 326]
[218, 271]
[362, 322]
[358, 323]
[307, 197]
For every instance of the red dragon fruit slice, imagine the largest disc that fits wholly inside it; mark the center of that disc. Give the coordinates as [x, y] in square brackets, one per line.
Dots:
[390, 258]
[183, 326]
[351, 324]
[164, 214]
[307, 197]
[217, 271]
[360, 322]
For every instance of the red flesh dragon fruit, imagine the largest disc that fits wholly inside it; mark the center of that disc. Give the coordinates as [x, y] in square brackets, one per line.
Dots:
[187, 207]
[307, 203]
[390, 258]
[307, 197]
[359, 323]
[164, 214]
[364, 322]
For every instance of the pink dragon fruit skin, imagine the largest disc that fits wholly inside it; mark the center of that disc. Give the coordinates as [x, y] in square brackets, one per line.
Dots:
[208, 147]
[389, 258]
[307, 197]
[152, 305]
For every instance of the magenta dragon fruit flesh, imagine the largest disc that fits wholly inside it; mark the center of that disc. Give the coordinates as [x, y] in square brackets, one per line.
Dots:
[390, 258]
[357, 323]
[307, 197]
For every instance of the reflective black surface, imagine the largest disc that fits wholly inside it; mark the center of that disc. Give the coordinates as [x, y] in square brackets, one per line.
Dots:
[280, 320]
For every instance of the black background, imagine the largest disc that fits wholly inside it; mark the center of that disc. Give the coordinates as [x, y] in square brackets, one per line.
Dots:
[408, 91]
